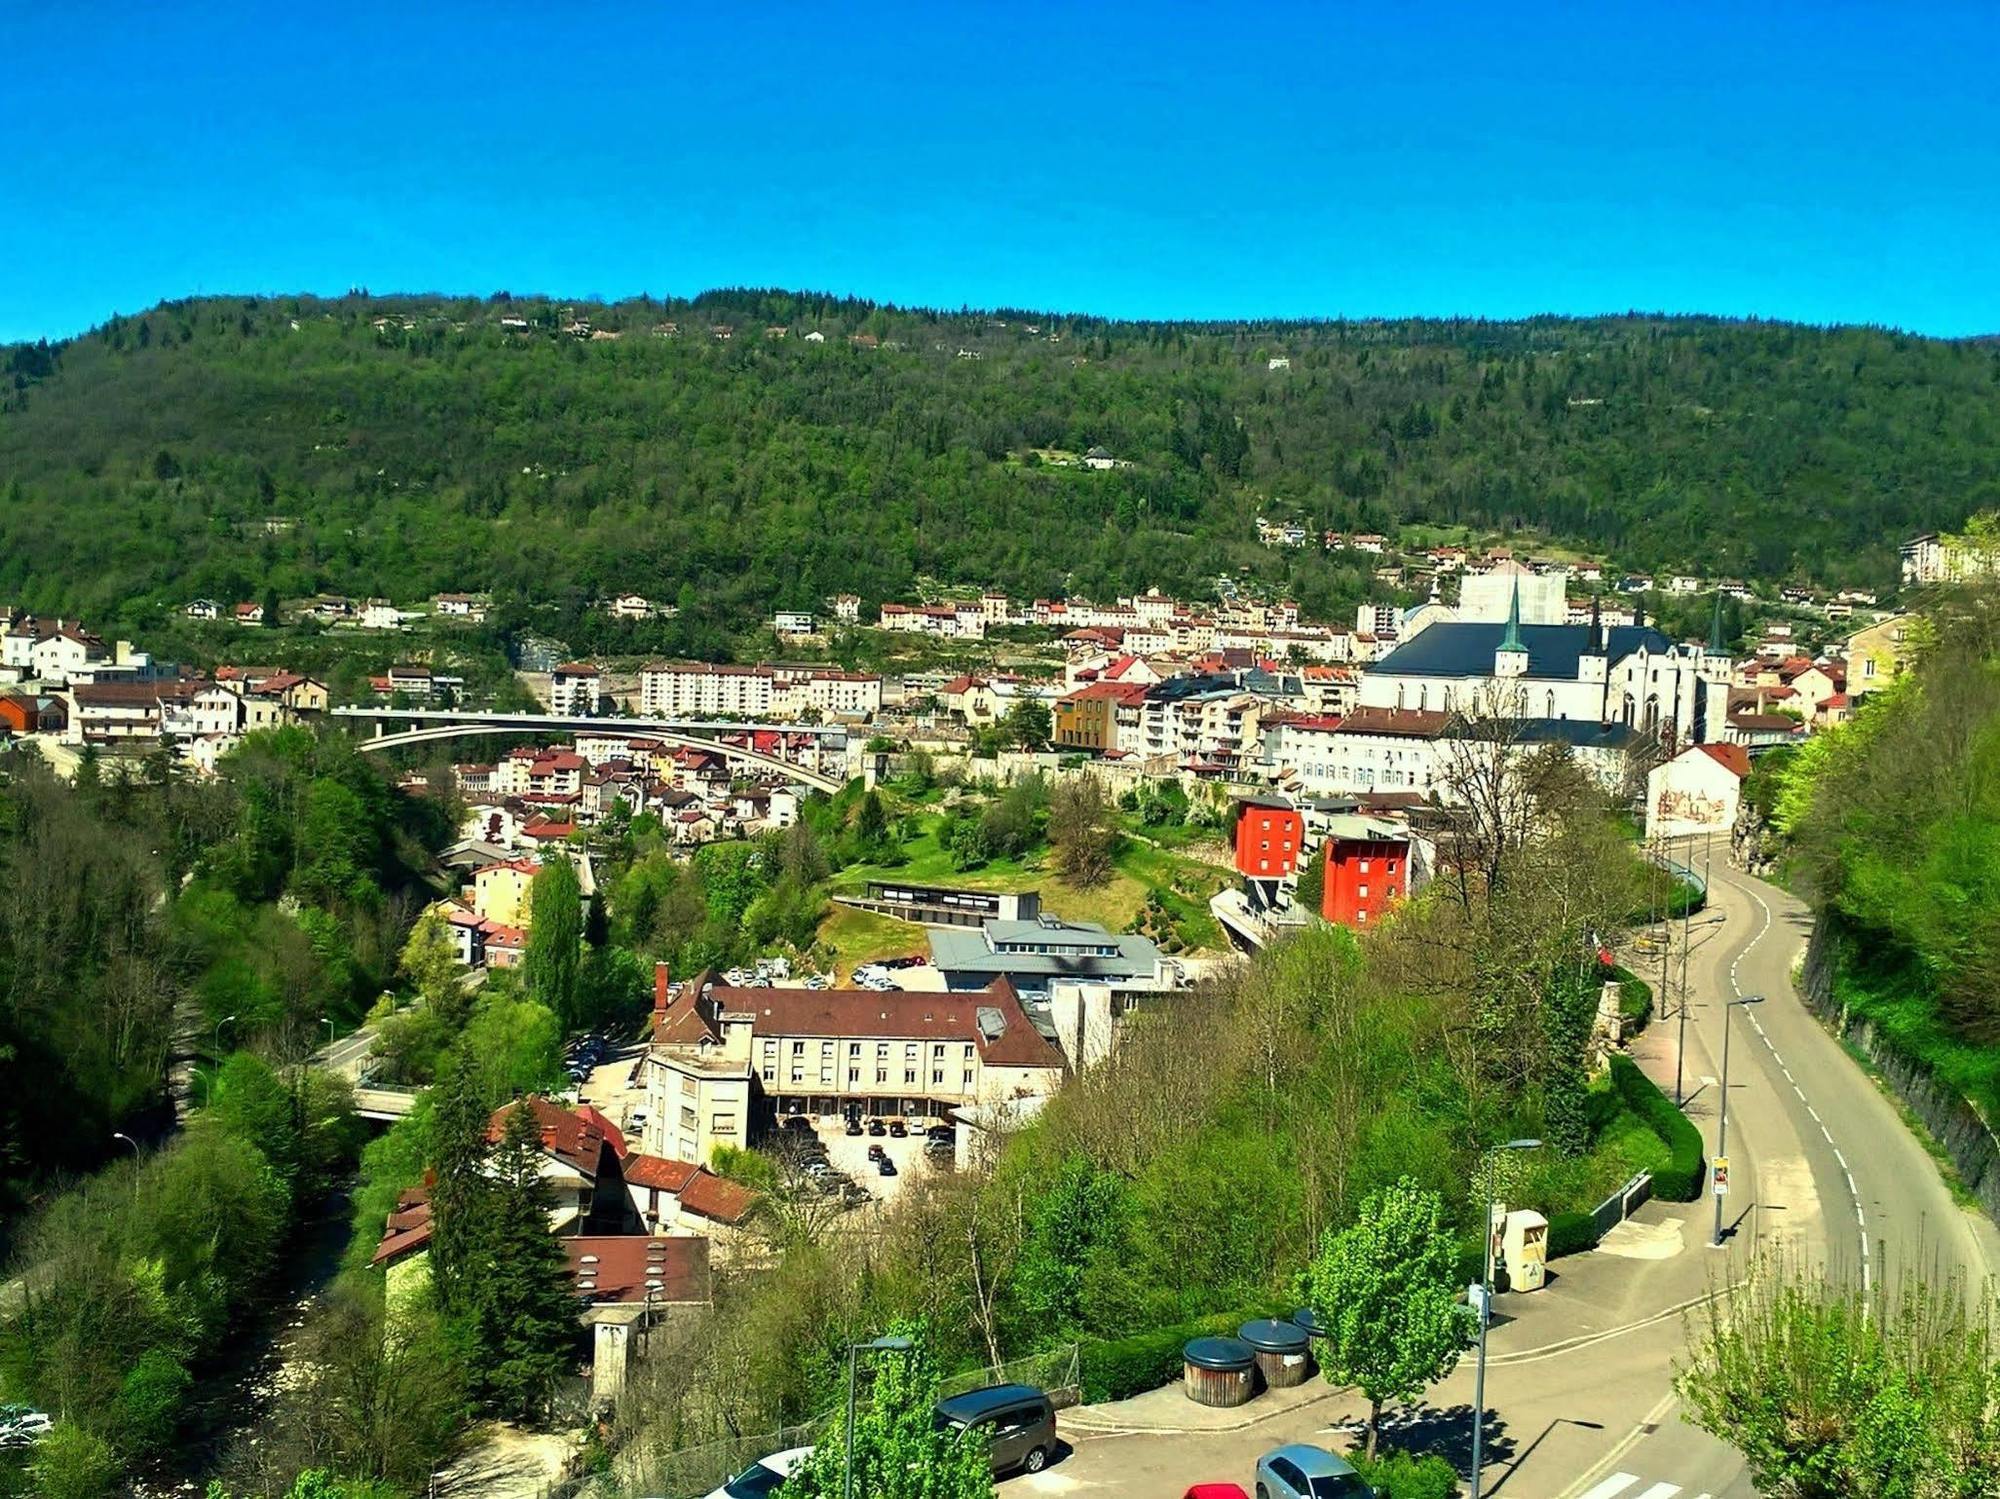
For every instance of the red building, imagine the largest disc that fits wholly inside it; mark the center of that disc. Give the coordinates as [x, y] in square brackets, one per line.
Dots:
[1268, 834]
[1367, 869]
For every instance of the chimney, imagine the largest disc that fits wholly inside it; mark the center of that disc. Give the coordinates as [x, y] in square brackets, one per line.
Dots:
[659, 988]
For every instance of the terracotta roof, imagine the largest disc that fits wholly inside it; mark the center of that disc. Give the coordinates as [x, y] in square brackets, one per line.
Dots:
[659, 1173]
[408, 1228]
[625, 1267]
[1733, 758]
[716, 1197]
[576, 1137]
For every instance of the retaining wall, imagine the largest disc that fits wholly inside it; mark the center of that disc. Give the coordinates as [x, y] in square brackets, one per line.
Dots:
[1967, 1138]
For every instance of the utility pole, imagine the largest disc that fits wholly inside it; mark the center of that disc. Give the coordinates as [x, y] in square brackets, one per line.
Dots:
[1485, 1316]
[1722, 1111]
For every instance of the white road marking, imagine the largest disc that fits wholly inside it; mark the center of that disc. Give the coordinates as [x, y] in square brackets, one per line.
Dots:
[1617, 1483]
[1840, 1158]
[1661, 1491]
[1800, 1091]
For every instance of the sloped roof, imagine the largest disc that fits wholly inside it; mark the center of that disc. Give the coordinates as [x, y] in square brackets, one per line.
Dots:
[1465, 648]
[1733, 758]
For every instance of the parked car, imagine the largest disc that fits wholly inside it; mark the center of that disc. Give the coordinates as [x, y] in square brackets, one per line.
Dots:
[797, 1123]
[944, 1132]
[885, 1167]
[877, 1153]
[22, 1426]
[898, 1129]
[764, 1476]
[853, 1127]
[1017, 1420]
[1302, 1471]
[877, 1127]
[939, 1147]
[1215, 1491]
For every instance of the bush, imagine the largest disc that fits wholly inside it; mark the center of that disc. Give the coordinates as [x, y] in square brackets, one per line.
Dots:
[1635, 1000]
[1571, 1233]
[1680, 1180]
[71, 1463]
[149, 1403]
[1398, 1475]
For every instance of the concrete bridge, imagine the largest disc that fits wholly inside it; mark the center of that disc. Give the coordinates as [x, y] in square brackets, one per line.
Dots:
[435, 724]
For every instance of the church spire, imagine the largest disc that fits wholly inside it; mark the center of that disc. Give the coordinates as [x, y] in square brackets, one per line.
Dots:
[1511, 641]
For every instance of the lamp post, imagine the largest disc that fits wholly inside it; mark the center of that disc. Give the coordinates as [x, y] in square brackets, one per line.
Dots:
[1722, 1110]
[1485, 1316]
[119, 1134]
[875, 1345]
[327, 1021]
[225, 1020]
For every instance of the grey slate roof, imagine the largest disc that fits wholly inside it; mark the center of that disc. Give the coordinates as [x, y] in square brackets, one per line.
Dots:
[1463, 648]
[965, 950]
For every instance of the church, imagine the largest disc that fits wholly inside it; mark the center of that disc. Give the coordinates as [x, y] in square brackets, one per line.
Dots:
[1630, 675]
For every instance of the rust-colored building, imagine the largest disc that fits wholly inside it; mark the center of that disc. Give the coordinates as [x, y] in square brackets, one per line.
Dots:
[1269, 832]
[1367, 868]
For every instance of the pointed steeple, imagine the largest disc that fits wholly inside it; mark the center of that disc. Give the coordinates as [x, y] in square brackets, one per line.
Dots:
[1715, 645]
[1596, 646]
[1511, 641]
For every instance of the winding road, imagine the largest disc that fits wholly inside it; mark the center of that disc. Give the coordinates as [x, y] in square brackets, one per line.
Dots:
[1821, 1165]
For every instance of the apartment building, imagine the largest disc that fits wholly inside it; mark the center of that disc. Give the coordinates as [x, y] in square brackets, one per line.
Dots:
[575, 690]
[697, 689]
[722, 1057]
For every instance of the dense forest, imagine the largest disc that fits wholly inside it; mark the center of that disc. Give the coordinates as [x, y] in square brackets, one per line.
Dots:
[399, 446]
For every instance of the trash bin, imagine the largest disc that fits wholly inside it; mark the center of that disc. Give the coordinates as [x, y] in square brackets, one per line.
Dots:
[1526, 1243]
[1219, 1371]
[1282, 1351]
[1304, 1318]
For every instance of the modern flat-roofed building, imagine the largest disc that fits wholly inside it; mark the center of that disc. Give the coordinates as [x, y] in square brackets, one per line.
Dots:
[944, 905]
[1032, 955]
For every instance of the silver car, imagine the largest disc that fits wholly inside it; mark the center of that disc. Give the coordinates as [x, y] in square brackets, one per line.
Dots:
[1300, 1471]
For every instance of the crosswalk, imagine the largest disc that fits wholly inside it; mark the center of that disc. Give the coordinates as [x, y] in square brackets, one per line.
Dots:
[1620, 1486]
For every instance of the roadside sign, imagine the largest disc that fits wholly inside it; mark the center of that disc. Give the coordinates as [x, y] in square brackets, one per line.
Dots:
[1475, 1297]
[1721, 1169]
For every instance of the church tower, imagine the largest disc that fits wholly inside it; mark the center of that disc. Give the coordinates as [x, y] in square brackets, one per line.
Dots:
[1712, 671]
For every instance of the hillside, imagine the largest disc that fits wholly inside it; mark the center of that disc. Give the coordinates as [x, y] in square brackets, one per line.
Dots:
[140, 464]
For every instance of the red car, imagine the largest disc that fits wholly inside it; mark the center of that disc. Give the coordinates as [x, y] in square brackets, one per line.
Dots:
[1215, 1491]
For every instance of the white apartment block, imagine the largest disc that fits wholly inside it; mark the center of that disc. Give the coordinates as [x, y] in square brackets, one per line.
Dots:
[696, 689]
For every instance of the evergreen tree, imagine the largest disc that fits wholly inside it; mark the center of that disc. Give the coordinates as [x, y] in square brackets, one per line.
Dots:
[458, 1155]
[524, 1310]
[555, 939]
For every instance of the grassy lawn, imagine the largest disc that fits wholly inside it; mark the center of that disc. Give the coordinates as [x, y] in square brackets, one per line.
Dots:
[856, 937]
[1184, 886]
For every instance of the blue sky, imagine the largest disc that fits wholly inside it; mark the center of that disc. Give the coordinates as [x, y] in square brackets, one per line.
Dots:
[1819, 162]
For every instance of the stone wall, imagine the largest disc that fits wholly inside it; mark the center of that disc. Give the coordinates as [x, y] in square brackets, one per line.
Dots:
[1950, 1117]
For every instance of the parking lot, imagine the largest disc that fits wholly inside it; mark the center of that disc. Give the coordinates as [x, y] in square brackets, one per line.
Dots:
[849, 1153]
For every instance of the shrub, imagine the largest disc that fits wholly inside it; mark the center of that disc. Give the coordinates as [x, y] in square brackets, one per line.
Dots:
[1680, 1180]
[1571, 1233]
[1399, 1475]
[71, 1463]
[1635, 1000]
[149, 1403]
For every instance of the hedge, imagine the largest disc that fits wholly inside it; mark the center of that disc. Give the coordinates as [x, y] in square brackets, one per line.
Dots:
[1570, 1233]
[1681, 1179]
[1635, 1000]
[1113, 1368]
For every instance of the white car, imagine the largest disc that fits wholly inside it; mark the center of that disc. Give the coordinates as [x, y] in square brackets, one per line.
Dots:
[762, 1478]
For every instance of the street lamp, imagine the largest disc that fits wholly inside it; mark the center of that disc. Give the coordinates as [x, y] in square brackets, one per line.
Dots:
[876, 1345]
[1722, 1110]
[1485, 1304]
[121, 1135]
[327, 1021]
[225, 1020]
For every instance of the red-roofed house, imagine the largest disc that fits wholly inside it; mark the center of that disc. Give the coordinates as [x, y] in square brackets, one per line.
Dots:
[1698, 792]
[582, 1155]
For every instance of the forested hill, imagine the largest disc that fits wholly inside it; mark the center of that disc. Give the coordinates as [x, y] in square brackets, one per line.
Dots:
[419, 444]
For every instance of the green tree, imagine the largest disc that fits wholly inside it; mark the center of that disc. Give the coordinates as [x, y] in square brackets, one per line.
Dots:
[1082, 835]
[555, 939]
[429, 964]
[1027, 724]
[1386, 1291]
[273, 616]
[900, 1452]
[1076, 1217]
[458, 1195]
[1829, 1391]
[524, 1311]
[1310, 894]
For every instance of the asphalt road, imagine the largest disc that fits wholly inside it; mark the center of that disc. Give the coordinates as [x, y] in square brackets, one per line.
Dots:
[1821, 1165]
[1581, 1384]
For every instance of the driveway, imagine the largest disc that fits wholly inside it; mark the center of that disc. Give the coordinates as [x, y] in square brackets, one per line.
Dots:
[849, 1153]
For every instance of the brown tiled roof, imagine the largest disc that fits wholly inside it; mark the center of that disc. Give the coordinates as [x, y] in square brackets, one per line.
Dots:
[624, 1267]
[715, 1197]
[576, 1137]
[659, 1173]
[1417, 723]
